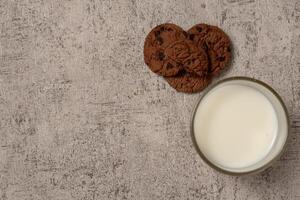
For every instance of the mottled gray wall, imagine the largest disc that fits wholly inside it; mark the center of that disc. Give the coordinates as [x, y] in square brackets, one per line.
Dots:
[82, 117]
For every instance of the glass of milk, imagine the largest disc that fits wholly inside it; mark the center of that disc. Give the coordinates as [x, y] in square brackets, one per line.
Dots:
[240, 126]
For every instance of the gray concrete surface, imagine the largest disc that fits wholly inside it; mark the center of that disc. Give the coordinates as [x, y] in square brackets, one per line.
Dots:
[82, 117]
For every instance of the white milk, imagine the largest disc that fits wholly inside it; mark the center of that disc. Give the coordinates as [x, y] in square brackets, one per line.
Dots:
[235, 126]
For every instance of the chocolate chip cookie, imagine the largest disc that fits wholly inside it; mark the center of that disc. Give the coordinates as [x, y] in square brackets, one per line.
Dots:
[216, 44]
[156, 43]
[188, 82]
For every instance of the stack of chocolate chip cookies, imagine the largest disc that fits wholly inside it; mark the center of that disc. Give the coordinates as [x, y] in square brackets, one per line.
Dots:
[187, 60]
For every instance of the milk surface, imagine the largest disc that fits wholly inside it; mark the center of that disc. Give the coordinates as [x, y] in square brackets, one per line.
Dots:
[235, 126]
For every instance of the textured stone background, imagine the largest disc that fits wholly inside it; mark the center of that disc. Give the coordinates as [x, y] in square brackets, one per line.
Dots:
[82, 117]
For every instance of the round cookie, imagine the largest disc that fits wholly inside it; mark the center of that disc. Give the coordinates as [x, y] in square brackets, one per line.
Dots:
[188, 82]
[216, 44]
[193, 58]
[155, 45]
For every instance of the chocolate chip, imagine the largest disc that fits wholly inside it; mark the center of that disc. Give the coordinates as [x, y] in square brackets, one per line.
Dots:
[228, 49]
[208, 44]
[199, 29]
[182, 73]
[191, 36]
[157, 33]
[159, 40]
[161, 55]
[169, 66]
[185, 34]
